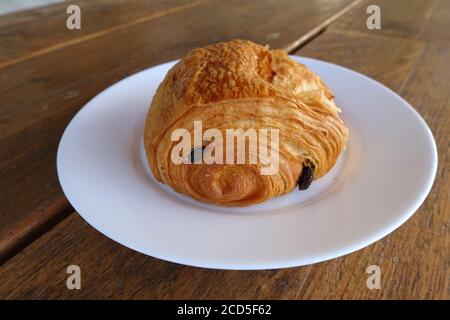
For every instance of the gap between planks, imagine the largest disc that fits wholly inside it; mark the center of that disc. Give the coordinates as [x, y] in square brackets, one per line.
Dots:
[296, 45]
[18, 238]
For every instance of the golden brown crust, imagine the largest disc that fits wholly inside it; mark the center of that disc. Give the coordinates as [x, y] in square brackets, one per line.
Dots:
[239, 84]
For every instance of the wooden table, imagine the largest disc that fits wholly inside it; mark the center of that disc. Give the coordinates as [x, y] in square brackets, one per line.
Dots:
[47, 73]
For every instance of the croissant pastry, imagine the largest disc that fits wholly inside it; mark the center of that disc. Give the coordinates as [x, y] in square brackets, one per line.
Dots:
[241, 85]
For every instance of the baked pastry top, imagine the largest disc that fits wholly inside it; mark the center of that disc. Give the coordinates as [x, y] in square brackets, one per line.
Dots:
[242, 85]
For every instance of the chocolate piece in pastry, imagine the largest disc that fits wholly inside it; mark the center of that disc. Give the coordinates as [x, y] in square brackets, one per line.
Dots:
[242, 85]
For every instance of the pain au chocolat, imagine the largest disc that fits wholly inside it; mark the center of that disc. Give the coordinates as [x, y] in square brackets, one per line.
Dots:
[242, 85]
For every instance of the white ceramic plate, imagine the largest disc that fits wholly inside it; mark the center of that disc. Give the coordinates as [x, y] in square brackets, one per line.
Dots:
[377, 184]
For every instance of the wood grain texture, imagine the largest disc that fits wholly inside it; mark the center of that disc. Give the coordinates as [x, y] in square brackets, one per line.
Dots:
[40, 94]
[385, 59]
[37, 31]
[43, 30]
[399, 18]
[436, 31]
[414, 260]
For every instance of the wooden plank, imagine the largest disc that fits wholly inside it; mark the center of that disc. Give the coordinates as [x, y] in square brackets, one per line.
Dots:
[436, 31]
[385, 59]
[37, 31]
[399, 18]
[41, 94]
[112, 271]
